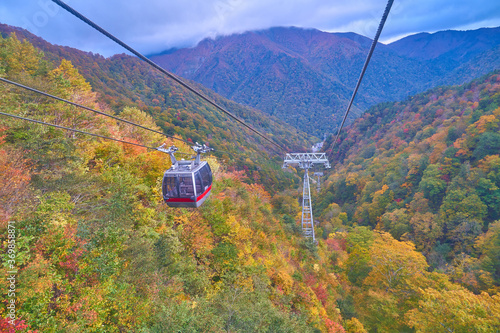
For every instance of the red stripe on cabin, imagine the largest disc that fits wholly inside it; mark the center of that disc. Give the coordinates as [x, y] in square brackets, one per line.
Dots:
[179, 200]
[204, 193]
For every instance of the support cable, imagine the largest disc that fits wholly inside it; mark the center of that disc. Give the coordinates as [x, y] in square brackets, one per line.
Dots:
[74, 130]
[82, 132]
[372, 48]
[89, 109]
[171, 75]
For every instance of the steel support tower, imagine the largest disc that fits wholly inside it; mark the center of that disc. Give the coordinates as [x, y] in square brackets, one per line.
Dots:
[318, 184]
[307, 214]
[306, 161]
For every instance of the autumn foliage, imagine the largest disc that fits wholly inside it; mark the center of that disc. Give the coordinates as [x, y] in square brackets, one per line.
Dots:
[408, 220]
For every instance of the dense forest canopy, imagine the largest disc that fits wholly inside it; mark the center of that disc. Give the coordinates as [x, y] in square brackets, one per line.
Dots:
[408, 241]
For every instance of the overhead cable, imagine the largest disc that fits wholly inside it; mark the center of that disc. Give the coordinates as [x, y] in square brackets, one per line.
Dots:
[372, 48]
[89, 109]
[75, 130]
[171, 75]
[82, 132]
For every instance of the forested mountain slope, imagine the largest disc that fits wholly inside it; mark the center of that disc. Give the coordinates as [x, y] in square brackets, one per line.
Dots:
[124, 80]
[427, 170]
[96, 249]
[460, 56]
[450, 46]
[306, 77]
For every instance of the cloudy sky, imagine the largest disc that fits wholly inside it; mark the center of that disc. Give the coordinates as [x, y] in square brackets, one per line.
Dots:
[151, 26]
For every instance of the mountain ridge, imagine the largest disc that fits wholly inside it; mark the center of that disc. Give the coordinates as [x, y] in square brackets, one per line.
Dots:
[447, 41]
[306, 76]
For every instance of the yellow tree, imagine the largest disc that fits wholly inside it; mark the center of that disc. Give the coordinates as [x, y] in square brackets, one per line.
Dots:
[20, 57]
[138, 134]
[488, 246]
[396, 266]
[397, 271]
[69, 84]
[456, 310]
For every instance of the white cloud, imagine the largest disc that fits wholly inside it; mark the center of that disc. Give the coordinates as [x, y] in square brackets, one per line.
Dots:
[155, 25]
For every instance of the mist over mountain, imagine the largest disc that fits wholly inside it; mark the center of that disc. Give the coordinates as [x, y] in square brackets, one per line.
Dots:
[306, 77]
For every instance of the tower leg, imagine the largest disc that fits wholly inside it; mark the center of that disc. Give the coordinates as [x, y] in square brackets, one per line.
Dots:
[307, 215]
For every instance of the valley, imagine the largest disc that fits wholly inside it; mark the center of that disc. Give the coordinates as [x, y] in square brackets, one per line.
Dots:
[408, 217]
